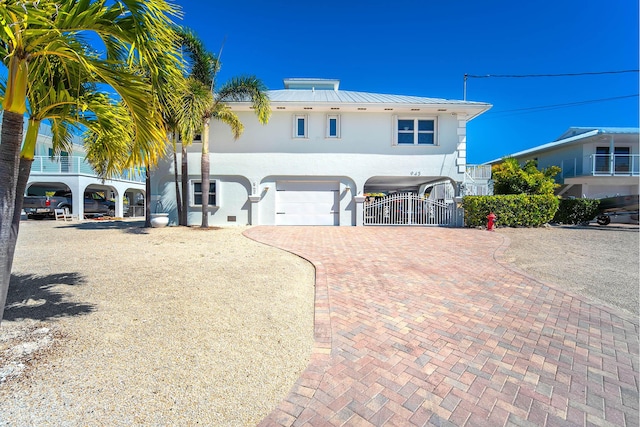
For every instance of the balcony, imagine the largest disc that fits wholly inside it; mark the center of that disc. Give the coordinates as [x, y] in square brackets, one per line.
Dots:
[614, 164]
[601, 165]
[77, 165]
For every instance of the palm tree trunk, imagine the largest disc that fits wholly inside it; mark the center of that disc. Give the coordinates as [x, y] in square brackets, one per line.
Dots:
[147, 197]
[23, 178]
[184, 220]
[10, 140]
[204, 167]
[175, 178]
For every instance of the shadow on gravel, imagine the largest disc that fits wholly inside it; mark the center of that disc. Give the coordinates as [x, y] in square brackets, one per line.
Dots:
[133, 227]
[33, 297]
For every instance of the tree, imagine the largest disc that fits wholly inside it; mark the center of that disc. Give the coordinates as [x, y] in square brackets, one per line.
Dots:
[204, 69]
[46, 37]
[511, 178]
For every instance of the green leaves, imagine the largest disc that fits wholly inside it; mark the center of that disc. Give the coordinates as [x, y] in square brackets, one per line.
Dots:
[139, 63]
[510, 178]
[516, 210]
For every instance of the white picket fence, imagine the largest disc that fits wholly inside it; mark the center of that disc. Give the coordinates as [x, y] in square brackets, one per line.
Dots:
[409, 209]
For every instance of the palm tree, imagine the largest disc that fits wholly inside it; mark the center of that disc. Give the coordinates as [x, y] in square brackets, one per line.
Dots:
[201, 66]
[237, 89]
[137, 35]
[204, 70]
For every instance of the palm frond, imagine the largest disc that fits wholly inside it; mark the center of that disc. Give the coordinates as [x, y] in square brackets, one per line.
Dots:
[223, 113]
[248, 89]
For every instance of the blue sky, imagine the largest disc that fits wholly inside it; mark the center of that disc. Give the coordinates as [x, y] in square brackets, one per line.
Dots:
[424, 48]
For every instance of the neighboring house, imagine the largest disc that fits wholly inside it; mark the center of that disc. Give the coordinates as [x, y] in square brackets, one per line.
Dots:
[323, 151]
[595, 162]
[70, 171]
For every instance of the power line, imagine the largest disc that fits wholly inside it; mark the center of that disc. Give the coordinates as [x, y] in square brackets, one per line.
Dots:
[592, 73]
[556, 106]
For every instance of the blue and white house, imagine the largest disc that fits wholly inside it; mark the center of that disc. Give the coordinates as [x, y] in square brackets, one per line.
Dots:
[596, 162]
[324, 151]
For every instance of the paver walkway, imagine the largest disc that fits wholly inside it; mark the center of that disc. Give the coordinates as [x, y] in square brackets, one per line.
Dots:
[423, 326]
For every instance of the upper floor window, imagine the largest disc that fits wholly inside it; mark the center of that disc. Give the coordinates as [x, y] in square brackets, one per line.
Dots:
[300, 126]
[414, 131]
[333, 126]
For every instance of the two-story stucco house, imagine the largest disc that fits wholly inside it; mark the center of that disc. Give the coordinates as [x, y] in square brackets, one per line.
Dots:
[596, 162]
[322, 152]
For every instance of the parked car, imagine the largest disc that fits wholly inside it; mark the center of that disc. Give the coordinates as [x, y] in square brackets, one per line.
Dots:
[44, 206]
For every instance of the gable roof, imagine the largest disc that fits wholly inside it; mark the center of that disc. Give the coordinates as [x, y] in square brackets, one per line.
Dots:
[575, 135]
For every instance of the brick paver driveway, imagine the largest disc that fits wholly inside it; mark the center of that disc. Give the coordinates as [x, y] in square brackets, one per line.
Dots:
[423, 326]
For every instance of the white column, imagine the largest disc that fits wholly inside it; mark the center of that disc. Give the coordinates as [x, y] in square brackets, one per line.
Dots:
[359, 200]
[461, 148]
[255, 213]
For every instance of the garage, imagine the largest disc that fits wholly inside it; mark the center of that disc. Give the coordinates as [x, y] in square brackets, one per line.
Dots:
[307, 203]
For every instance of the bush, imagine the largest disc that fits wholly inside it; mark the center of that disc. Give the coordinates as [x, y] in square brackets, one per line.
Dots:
[509, 177]
[576, 211]
[514, 210]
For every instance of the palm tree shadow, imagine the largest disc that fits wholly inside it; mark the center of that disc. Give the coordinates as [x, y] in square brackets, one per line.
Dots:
[35, 297]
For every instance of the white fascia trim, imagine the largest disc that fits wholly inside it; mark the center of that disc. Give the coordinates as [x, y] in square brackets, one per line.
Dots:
[547, 146]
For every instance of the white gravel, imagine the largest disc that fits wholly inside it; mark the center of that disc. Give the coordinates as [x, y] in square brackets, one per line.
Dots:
[598, 262]
[111, 324]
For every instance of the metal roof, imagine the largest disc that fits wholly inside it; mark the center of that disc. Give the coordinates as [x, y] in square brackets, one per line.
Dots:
[572, 135]
[351, 97]
[578, 130]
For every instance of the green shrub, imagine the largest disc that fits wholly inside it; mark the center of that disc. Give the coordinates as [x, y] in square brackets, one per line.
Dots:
[514, 210]
[576, 211]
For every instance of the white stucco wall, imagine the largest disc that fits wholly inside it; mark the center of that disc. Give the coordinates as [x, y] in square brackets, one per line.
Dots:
[265, 154]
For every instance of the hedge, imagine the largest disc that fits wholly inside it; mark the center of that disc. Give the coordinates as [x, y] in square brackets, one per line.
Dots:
[513, 210]
[576, 211]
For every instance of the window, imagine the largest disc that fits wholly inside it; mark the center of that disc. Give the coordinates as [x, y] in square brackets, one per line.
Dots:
[621, 159]
[414, 131]
[602, 159]
[333, 126]
[300, 126]
[196, 193]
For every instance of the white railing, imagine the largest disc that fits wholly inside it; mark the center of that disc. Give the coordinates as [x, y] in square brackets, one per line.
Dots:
[408, 209]
[615, 164]
[477, 181]
[77, 165]
[478, 172]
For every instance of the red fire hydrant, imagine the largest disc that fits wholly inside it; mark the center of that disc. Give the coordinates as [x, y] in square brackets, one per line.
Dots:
[491, 220]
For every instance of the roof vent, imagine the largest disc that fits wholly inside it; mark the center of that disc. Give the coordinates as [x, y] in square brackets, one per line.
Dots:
[280, 108]
[361, 108]
[388, 109]
[335, 108]
[415, 109]
[308, 108]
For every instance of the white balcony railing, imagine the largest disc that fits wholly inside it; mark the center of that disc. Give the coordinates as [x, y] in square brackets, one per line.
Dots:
[615, 164]
[77, 165]
[478, 172]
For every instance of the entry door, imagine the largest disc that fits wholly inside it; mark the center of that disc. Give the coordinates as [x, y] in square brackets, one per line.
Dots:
[307, 203]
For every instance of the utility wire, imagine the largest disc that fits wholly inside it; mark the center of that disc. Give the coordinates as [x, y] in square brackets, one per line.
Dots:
[476, 76]
[593, 73]
[556, 106]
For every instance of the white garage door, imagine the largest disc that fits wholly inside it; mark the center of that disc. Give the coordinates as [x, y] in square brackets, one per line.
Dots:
[307, 203]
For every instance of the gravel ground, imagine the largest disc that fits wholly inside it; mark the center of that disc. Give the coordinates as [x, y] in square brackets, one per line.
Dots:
[600, 263]
[112, 324]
